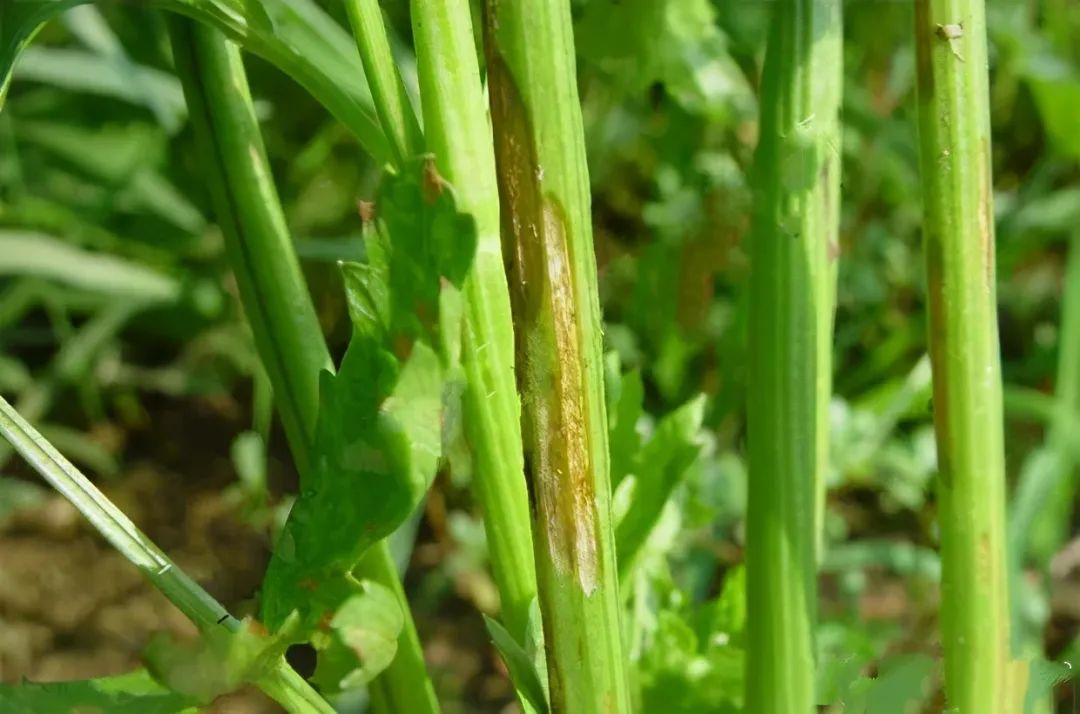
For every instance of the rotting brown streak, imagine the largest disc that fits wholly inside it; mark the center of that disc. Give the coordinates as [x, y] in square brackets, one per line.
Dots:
[547, 339]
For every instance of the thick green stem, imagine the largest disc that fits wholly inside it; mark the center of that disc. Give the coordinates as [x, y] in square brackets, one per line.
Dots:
[195, 603]
[246, 205]
[392, 105]
[954, 135]
[544, 188]
[796, 177]
[459, 134]
[273, 291]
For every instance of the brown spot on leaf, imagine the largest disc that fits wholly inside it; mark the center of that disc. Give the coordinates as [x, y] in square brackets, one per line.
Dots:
[433, 182]
[402, 347]
[257, 628]
[366, 209]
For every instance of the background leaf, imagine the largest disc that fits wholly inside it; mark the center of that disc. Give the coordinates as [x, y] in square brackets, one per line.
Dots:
[295, 35]
[132, 693]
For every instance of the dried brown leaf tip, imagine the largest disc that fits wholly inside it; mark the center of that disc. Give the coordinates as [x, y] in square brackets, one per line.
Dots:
[433, 182]
[366, 209]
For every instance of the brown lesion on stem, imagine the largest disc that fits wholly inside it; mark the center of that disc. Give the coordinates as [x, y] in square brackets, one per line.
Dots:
[540, 272]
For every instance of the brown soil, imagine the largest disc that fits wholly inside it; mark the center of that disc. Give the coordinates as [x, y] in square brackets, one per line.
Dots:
[72, 608]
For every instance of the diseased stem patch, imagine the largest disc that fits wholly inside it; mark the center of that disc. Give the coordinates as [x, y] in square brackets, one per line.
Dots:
[548, 343]
[569, 487]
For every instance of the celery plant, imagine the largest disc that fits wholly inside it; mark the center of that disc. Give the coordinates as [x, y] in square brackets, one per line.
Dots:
[954, 137]
[796, 176]
[459, 135]
[544, 188]
[274, 294]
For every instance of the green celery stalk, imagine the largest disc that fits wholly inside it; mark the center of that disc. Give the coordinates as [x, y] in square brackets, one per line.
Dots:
[392, 104]
[544, 188]
[274, 294]
[459, 135]
[792, 286]
[954, 138]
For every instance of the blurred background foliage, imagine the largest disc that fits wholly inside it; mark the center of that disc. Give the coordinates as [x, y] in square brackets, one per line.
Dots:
[121, 335]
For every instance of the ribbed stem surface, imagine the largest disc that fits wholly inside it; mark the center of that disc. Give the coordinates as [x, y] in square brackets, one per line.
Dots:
[459, 134]
[958, 226]
[792, 286]
[273, 291]
[544, 187]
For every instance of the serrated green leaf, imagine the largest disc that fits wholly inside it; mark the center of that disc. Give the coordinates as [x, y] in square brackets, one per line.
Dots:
[132, 693]
[360, 641]
[383, 417]
[377, 445]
